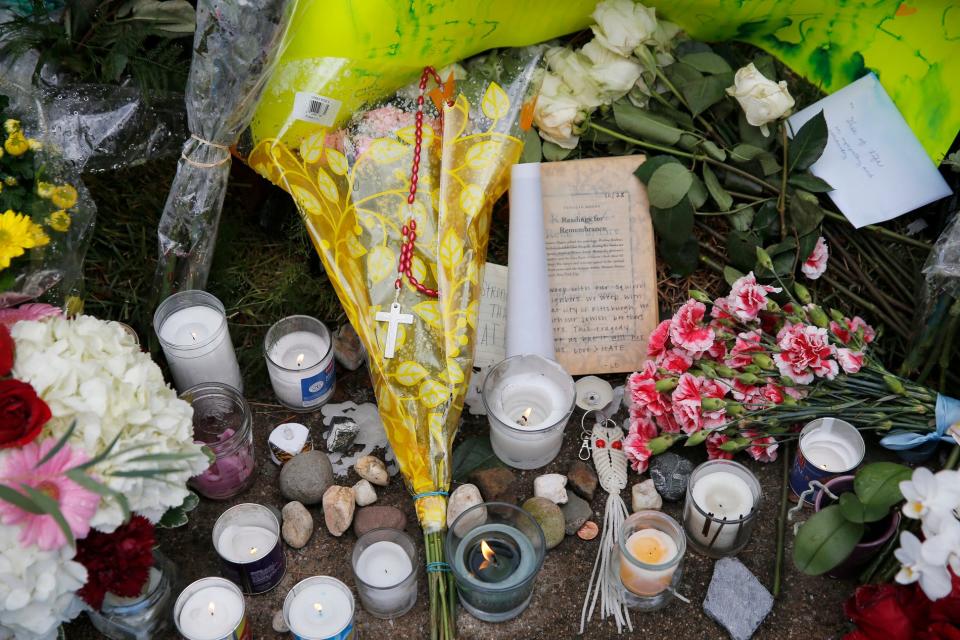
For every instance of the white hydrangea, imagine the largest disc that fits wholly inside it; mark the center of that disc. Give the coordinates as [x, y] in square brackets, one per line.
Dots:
[92, 371]
[36, 588]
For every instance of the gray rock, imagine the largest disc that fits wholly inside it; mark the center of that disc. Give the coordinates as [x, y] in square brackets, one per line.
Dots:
[347, 348]
[343, 431]
[364, 493]
[549, 517]
[736, 599]
[582, 479]
[338, 507]
[670, 474]
[462, 498]
[645, 496]
[372, 469]
[279, 624]
[378, 517]
[297, 525]
[576, 511]
[551, 486]
[306, 477]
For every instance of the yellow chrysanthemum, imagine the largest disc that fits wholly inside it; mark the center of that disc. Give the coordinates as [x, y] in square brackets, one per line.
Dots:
[11, 126]
[17, 234]
[10, 181]
[64, 196]
[59, 220]
[1, 152]
[44, 189]
[16, 144]
[35, 145]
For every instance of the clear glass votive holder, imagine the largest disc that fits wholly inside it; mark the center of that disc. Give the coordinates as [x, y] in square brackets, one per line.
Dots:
[385, 572]
[647, 563]
[141, 617]
[495, 551]
[720, 511]
[299, 355]
[222, 421]
[529, 400]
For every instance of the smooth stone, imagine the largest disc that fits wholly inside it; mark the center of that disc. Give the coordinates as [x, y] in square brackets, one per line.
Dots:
[670, 474]
[551, 486]
[297, 525]
[347, 348]
[549, 517]
[378, 517]
[645, 496]
[338, 506]
[364, 493]
[371, 468]
[279, 624]
[343, 431]
[306, 477]
[576, 512]
[582, 479]
[462, 498]
[497, 484]
[736, 599]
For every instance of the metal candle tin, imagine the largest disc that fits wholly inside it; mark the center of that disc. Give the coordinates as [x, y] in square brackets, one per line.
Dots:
[263, 574]
[842, 442]
[241, 630]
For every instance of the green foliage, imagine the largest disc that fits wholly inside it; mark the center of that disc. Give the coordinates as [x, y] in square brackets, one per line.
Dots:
[177, 516]
[473, 454]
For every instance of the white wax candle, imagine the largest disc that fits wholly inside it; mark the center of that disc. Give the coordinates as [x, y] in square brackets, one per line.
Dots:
[728, 497]
[244, 543]
[544, 404]
[385, 564]
[653, 547]
[153, 580]
[197, 345]
[211, 613]
[296, 357]
[829, 451]
[319, 610]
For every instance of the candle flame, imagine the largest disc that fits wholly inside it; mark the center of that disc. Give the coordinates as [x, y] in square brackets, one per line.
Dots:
[318, 607]
[525, 417]
[193, 334]
[212, 608]
[253, 551]
[300, 360]
[489, 555]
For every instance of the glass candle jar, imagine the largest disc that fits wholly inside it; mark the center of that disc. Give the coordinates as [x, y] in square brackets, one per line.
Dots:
[529, 400]
[299, 354]
[247, 539]
[495, 551]
[141, 617]
[648, 560]
[192, 328]
[212, 609]
[721, 507]
[222, 421]
[384, 570]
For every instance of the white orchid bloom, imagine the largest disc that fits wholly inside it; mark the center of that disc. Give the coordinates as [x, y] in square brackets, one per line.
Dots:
[931, 495]
[941, 543]
[934, 579]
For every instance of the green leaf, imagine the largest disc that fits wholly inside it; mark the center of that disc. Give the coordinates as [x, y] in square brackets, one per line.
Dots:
[56, 448]
[707, 62]
[162, 457]
[702, 94]
[806, 245]
[554, 152]
[768, 163]
[668, 185]
[144, 473]
[742, 250]
[531, 147]
[682, 75]
[851, 507]
[644, 124]
[765, 65]
[730, 275]
[473, 454]
[825, 540]
[753, 135]
[767, 221]
[714, 151]
[745, 152]
[50, 507]
[17, 499]
[697, 193]
[645, 171]
[723, 199]
[674, 226]
[742, 219]
[683, 258]
[809, 182]
[878, 484]
[88, 483]
[100, 457]
[173, 518]
[805, 216]
[808, 144]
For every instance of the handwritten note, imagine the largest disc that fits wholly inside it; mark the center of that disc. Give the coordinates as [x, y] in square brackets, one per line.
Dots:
[601, 263]
[492, 317]
[875, 164]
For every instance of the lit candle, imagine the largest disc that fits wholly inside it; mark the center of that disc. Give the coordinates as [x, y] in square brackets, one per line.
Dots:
[192, 327]
[319, 608]
[383, 571]
[247, 539]
[721, 505]
[299, 357]
[210, 609]
[650, 547]
[245, 543]
[828, 447]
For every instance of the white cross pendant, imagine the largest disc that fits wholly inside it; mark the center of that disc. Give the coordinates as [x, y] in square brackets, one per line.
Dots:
[393, 319]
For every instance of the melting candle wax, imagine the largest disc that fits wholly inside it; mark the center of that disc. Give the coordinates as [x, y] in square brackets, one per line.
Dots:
[493, 560]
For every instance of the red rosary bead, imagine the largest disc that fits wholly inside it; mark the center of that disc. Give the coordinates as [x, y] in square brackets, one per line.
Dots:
[617, 444]
[601, 443]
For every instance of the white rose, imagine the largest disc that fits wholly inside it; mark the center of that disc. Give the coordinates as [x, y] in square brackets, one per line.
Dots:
[623, 25]
[557, 112]
[574, 70]
[763, 100]
[612, 72]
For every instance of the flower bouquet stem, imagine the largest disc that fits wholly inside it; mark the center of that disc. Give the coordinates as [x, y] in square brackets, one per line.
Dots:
[443, 600]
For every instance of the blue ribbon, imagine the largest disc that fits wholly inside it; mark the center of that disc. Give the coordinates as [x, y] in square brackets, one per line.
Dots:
[947, 413]
[427, 494]
[435, 567]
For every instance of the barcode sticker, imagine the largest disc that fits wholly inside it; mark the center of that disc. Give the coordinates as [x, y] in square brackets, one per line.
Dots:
[315, 108]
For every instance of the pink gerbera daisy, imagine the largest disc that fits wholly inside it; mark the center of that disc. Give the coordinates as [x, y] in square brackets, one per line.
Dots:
[78, 505]
[30, 311]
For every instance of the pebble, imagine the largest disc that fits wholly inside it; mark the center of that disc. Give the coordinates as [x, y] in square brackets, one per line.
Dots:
[364, 493]
[378, 517]
[551, 486]
[297, 525]
[497, 484]
[338, 506]
[645, 496]
[343, 431]
[371, 468]
[736, 599]
[588, 531]
[279, 624]
[306, 477]
[549, 517]
[347, 348]
[462, 498]
[576, 512]
[582, 479]
[670, 474]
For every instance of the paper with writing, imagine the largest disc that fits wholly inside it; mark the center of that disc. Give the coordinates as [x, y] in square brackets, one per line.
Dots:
[492, 317]
[601, 263]
[873, 161]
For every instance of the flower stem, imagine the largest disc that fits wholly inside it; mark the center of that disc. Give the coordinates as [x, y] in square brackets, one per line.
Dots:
[884, 231]
[782, 199]
[782, 521]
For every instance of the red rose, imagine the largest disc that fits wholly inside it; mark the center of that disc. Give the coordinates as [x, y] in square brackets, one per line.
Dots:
[885, 611]
[6, 351]
[22, 413]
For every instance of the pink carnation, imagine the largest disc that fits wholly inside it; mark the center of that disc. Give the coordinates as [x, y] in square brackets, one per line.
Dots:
[721, 309]
[688, 406]
[657, 343]
[850, 360]
[674, 361]
[687, 329]
[714, 452]
[762, 448]
[814, 266]
[637, 448]
[747, 344]
[642, 390]
[848, 328]
[772, 393]
[667, 423]
[747, 298]
[805, 352]
[29, 311]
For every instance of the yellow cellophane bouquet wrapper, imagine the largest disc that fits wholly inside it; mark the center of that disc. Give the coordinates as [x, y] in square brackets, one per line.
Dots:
[351, 187]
